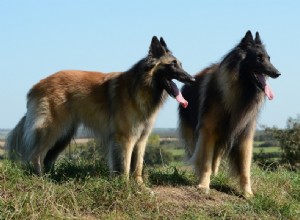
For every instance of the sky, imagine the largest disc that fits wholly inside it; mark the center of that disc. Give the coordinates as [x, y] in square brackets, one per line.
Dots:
[39, 38]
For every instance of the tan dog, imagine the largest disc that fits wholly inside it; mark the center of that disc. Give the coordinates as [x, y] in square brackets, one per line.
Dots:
[119, 108]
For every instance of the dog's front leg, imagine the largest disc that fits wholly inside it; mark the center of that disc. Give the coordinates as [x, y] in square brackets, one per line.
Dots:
[127, 148]
[241, 156]
[204, 159]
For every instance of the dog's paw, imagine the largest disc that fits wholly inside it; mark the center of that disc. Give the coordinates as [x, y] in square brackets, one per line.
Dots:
[203, 189]
[248, 194]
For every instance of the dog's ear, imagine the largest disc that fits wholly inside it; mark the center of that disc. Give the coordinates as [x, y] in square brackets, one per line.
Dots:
[156, 48]
[163, 43]
[247, 41]
[257, 38]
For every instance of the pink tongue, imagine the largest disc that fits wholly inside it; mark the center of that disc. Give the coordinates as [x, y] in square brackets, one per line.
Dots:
[269, 92]
[179, 96]
[181, 100]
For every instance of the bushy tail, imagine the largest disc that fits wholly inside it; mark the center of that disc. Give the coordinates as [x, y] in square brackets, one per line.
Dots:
[15, 140]
[186, 133]
[188, 118]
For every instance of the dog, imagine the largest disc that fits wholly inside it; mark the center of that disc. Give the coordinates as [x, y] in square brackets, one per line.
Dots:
[223, 107]
[119, 108]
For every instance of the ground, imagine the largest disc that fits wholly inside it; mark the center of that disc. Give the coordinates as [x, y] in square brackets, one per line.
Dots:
[188, 201]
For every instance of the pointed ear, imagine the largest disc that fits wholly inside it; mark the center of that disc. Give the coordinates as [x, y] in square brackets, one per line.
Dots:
[257, 38]
[247, 40]
[163, 43]
[156, 49]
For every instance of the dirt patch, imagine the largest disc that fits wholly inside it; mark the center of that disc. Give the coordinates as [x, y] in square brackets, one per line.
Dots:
[179, 199]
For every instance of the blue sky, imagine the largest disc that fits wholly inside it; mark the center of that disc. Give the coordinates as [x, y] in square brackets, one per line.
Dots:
[38, 38]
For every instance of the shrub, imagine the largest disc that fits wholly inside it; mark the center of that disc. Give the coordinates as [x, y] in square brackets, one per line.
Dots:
[289, 141]
[157, 156]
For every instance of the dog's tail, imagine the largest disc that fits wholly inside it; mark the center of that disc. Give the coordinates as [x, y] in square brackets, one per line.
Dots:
[15, 140]
[186, 134]
[188, 119]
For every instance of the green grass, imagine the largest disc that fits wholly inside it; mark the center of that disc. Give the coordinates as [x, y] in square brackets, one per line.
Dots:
[181, 152]
[266, 149]
[83, 190]
[176, 151]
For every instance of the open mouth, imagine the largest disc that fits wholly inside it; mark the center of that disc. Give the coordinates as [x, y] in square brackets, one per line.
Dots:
[263, 85]
[173, 91]
[178, 95]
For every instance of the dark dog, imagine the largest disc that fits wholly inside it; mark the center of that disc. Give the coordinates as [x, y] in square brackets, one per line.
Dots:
[223, 107]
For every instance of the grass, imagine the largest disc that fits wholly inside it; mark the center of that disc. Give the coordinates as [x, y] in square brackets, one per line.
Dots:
[176, 151]
[266, 149]
[81, 189]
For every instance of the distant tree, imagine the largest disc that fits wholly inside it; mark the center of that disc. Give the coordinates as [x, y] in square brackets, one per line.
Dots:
[157, 156]
[289, 141]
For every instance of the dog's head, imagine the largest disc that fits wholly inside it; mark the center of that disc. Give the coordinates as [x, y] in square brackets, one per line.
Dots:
[256, 65]
[166, 67]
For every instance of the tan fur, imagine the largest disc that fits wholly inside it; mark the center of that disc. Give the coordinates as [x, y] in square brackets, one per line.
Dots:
[83, 96]
[119, 108]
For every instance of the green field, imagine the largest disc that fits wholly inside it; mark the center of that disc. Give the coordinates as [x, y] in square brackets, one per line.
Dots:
[266, 149]
[181, 152]
[177, 151]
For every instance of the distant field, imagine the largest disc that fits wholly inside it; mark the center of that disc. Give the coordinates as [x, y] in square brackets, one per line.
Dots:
[73, 142]
[174, 150]
[266, 149]
[180, 151]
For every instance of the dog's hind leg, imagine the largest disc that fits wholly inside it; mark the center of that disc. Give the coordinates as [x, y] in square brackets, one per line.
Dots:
[217, 159]
[58, 147]
[44, 141]
[45, 138]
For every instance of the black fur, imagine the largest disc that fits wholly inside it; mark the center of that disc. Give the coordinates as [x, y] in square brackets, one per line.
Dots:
[223, 107]
[58, 147]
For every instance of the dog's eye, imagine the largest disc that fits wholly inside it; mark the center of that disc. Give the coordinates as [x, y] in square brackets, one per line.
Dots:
[174, 63]
[260, 58]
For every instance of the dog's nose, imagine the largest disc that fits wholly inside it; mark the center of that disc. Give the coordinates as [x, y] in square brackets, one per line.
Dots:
[274, 74]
